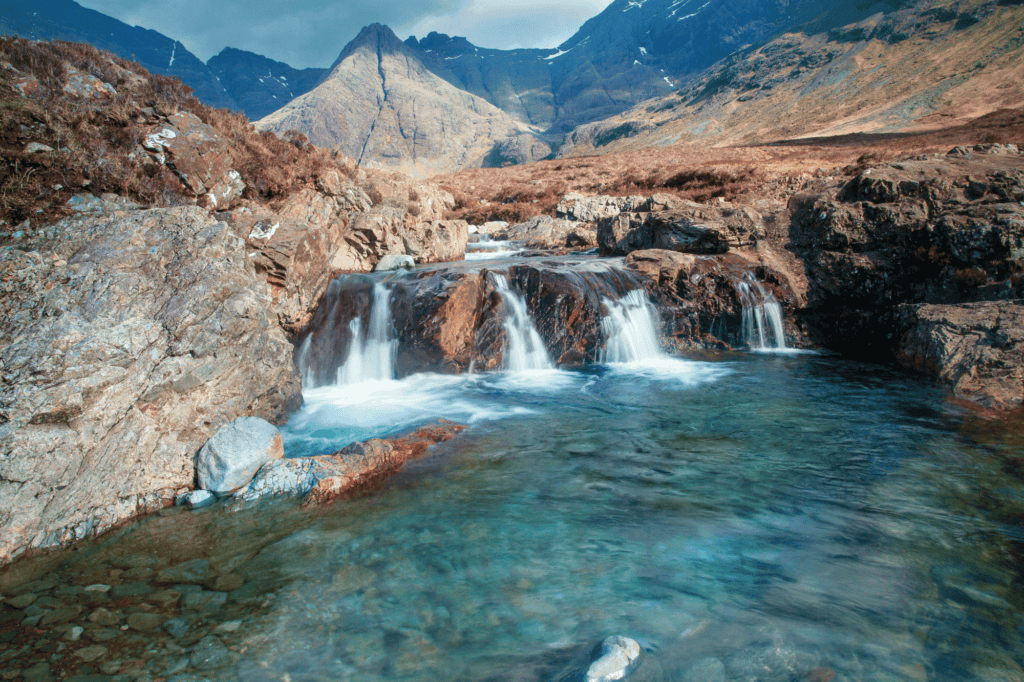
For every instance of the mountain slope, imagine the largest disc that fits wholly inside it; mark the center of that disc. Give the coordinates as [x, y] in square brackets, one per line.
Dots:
[382, 107]
[261, 85]
[67, 20]
[922, 66]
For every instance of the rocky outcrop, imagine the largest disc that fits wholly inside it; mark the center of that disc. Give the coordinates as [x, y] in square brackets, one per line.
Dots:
[126, 343]
[687, 227]
[545, 232]
[975, 348]
[582, 208]
[383, 108]
[945, 231]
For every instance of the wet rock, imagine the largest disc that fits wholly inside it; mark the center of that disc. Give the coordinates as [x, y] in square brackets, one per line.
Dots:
[91, 653]
[61, 614]
[130, 590]
[193, 571]
[228, 627]
[204, 601]
[210, 653]
[977, 349]
[40, 672]
[196, 499]
[395, 263]
[619, 655]
[228, 582]
[102, 616]
[137, 574]
[21, 601]
[705, 670]
[188, 677]
[144, 622]
[232, 457]
[166, 335]
[98, 587]
[176, 627]
[74, 633]
[164, 598]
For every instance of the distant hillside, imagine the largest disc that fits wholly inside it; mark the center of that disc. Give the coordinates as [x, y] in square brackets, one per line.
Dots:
[67, 20]
[259, 85]
[918, 66]
[381, 106]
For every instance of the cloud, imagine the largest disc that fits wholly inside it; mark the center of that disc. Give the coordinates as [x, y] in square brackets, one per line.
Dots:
[503, 25]
[311, 32]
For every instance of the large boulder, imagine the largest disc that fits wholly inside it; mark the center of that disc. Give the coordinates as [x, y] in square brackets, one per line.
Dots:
[976, 349]
[687, 227]
[440, 241]
[580, 208]
[543, 232]
[126, 342]
[236, 452]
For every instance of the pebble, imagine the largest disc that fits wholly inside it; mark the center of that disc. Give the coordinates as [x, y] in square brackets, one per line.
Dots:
[91, 653]
[74, 633]
[196, 499]
[102, 616]
[144, 622]
[139, 573]
[229, 582]
[98, 587]
[205, 601]
[230, 626]
[194, 571]
[210, 653]
[176, 627]
[21, 601]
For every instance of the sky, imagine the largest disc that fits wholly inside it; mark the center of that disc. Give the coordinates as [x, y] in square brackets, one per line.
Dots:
[307, 33]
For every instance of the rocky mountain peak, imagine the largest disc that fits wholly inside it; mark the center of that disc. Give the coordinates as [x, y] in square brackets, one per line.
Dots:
[377, 37]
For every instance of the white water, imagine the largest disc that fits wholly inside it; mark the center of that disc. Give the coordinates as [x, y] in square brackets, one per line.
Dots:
[488, 250]
[762, 318]
[631, 329]
[371, 357]
[524, 349]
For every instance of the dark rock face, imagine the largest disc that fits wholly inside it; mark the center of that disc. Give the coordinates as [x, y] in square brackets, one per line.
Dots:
[67, 20]
[975, 348]
[258, 85]
[943, 231]
[125, 345]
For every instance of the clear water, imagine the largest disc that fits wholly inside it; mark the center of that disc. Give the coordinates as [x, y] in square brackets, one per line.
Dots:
[792, 517]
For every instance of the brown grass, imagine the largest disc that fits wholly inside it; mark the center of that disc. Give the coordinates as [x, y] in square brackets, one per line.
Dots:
[96, 142]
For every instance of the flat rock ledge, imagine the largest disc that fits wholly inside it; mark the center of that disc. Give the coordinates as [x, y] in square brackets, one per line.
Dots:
[326, 478]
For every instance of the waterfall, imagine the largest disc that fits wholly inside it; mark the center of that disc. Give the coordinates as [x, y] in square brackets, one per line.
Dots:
[762, 317]
[371, 356]
[524, 349]
[631, 329]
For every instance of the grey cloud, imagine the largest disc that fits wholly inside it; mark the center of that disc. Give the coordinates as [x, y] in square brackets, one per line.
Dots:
[302, 32]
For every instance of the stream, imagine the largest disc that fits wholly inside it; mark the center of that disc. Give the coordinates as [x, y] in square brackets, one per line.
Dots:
[745, 516]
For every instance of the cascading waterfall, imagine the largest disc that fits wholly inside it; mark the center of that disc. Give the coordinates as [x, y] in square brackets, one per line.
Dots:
[762, 317]
[371, 356]
[524, 348]
[631, 329]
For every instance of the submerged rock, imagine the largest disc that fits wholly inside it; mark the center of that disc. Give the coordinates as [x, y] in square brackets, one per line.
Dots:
[326, 477]
[232, 457]
[395, 263]
[618, 656]
[197, 499]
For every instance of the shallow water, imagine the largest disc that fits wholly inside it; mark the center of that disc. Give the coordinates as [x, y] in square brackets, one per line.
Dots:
[790, 516]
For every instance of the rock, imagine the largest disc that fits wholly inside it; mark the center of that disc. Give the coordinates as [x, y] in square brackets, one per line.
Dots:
[228, 627]
[91, 653]
[228, 582]
[705, 670]
[204, 601]
[232, 457]
[130, 590]
[188, 677]
[61, 614]
[542, 232]
[326, 477]
[619, 655]
[74, 633]
[580, 208]
[689, 228]
[37, 147]
[196, 499]
[661, 266]
[976, 349]
[98, 587]
[581, 238]
[102, 616]
[21, 601]
[436, 242]
[210, 653]
[164, 336]
[194, 571]
[198, 156]
[176, 627]
[144, 622]
[395, 263]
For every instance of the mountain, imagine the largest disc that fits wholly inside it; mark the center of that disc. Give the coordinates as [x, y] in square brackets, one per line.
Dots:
[260, 85]
[67, 20]
[916, 66]
[381, 106]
